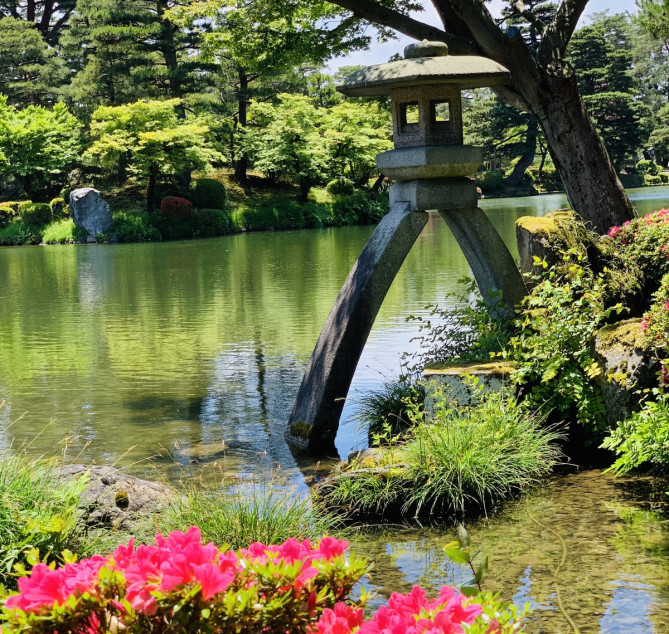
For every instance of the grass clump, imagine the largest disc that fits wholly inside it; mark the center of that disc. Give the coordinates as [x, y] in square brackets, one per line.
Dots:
[60, 232]
[460, 460]
[265, 514]
[37, 510]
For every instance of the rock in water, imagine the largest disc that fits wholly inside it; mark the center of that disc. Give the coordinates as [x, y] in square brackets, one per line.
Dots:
[90, 211]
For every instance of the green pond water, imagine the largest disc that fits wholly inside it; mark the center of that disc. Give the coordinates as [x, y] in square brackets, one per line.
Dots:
[169, 358]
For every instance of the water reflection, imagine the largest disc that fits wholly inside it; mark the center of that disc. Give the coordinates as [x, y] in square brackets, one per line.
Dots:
[615, 574]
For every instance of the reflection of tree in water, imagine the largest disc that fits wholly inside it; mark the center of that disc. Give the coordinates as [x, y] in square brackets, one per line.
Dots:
[615, 575]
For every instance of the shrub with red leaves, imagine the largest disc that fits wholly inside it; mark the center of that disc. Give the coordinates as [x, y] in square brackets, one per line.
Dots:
[175, 207]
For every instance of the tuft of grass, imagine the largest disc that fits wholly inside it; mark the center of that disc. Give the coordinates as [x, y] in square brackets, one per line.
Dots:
[459, 461]
[37, 510]
[264, 514]
[478, 455]
[387, 410]
[60, 232]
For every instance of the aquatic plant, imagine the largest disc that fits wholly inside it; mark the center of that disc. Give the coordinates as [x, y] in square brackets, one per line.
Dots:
[456, 460]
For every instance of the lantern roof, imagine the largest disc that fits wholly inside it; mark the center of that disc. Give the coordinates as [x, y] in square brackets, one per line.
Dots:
[425, 63]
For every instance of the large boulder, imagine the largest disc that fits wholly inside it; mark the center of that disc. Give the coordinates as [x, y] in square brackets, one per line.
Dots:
[547, 238]
[628, 366]
[90, 211]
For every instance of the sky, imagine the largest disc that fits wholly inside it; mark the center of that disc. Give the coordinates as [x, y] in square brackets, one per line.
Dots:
[380, 53]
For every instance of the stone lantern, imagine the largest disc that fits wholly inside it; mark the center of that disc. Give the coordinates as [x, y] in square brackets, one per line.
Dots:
[431, 169]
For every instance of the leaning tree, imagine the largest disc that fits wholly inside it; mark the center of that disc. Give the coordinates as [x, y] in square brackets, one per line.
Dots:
[542, 83]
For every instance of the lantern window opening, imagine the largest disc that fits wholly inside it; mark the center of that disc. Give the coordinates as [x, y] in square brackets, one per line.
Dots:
[440, 111]
[410, 115]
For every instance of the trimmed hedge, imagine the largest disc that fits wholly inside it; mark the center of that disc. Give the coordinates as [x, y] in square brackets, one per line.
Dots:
[341, 187]
[213, 222]
[209, 193]
[175, 207]
[59, 208]
[35, 214]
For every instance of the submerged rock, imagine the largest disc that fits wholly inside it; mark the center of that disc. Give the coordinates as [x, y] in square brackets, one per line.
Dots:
[90, 211]
[114, 499]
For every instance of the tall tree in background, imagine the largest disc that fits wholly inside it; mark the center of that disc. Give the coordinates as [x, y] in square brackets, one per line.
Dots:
[30, 72]
[601, 55]
[542, 83]
[50, 17]
[260, 40]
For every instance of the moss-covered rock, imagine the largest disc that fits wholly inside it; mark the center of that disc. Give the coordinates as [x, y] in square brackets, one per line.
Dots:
[628, 365]
[461, 378]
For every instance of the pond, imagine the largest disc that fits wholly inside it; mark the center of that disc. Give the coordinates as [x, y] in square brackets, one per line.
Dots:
[170, 357]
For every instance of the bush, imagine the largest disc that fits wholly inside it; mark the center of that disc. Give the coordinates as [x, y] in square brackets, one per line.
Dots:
[209, 193]
[59, 208]
[17, 233]
[181, 585]
[648, 167]
[341, 187]
[643, 438]
[7, 212]
[35, 214]
[643, 242]
[664, 177]
[360, 208]
[490, 181]
[174, 207]
[134, 227]
[213, 222]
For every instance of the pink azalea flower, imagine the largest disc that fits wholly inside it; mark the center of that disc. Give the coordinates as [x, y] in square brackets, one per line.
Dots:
[211, 579]
[329, 547]
[613, 231]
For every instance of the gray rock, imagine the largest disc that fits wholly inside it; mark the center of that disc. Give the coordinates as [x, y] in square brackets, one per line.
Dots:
[116, 499]
[90, 211]
[628, 365]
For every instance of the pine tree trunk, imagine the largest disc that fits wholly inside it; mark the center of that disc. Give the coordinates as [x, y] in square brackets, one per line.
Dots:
[242, 163]
[151, 187]
[592, 186]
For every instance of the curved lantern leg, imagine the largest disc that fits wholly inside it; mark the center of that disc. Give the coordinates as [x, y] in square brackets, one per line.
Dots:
[487, 255]
[315, 418]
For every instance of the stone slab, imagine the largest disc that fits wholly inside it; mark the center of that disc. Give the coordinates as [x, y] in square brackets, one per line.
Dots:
[424, 194]
[437, 161]
[90, 211]
[451, 378]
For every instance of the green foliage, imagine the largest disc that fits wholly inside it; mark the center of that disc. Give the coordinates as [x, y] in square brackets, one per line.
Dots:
[341, 187]
[134, 227]
[458, 460]
[653, 17]
[40, 146]
[30, 70]
[253, 514]
[60, 232]
[213, 222]
[600, 53]
[643, 438]
[552, 349]
[59, 208]
[17, 233]
[37, 510]
[490, 181]
[386, 411]
[548, 180]
[35, 214]
[648, 167]
[156, 140]
[460, 552]
[631, 180]
[473, 330]
[209, 193]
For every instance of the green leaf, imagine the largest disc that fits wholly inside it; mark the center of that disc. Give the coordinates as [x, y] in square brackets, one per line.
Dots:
[481, 570]
[463, 536]
[458, 556]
